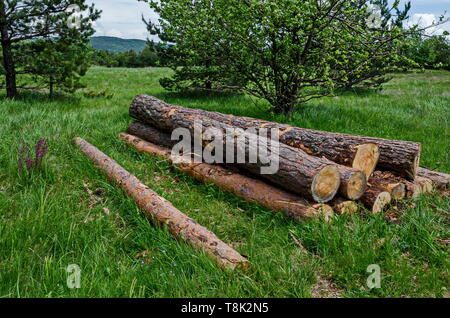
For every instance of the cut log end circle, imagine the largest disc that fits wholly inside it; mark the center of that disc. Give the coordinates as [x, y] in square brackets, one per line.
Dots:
[326, 184]
[398, 191]
[356, 186]
[382, 200]
[366, 158]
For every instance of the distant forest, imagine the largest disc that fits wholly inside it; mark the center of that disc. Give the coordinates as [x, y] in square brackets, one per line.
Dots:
[431, 52]
[117, 52]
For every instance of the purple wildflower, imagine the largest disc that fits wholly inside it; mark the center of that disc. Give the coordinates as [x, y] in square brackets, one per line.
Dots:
[30, 158]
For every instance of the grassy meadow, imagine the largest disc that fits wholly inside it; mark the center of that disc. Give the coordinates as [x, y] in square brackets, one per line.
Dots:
[48, 219]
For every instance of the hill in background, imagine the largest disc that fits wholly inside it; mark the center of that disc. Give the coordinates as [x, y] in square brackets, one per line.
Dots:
[117, 45]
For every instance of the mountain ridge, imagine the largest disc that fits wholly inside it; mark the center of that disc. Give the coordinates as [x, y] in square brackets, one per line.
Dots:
[117, 45]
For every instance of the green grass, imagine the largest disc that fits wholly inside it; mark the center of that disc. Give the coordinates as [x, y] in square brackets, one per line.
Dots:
[47, 221]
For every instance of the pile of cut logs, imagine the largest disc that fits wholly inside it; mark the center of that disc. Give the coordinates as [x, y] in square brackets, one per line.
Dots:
[320, 173]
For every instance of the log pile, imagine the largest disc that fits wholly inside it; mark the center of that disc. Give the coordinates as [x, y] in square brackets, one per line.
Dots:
[314, 167]
[249, 189]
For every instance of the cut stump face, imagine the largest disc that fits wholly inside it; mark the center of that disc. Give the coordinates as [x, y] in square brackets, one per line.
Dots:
[326, 184]
[383, 199]
[366, 158]
[356, 186]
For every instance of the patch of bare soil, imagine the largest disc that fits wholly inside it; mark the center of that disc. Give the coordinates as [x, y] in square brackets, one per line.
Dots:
[325, 288]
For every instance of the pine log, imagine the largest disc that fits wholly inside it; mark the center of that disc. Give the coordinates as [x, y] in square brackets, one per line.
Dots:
[394, 155]
[249, 189]
[315, 178]
[342, 206]
[412, 189]
[441, 180]
[163, 212]
[387, 182]
[351, 183]
[376, 200]
[352, 186]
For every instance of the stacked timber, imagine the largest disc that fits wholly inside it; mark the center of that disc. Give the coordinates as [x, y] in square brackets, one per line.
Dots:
[247, 188]
[314, 167]
[314, 177]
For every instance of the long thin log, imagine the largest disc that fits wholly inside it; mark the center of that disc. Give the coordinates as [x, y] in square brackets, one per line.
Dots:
[352, 182]
[440, 179]
[400, 156]
[315, 178]
[249, 189]
[376, 200]
[163, 212]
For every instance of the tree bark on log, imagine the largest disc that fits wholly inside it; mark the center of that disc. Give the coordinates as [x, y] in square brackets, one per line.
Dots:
[352, 185]
[163, 212]
[249, 189]
[394, 155]
[440, 179]
[413, 190]
[385, 181]
[315, 178]
[376, 200]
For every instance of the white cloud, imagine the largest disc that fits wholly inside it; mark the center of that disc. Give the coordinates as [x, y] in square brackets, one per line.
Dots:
[425, 20]
[123, 18]
[114, 32]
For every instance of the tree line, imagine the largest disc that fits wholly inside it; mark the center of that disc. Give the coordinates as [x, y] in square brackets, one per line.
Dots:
[152, 55]
[285, 51]
[424, 52]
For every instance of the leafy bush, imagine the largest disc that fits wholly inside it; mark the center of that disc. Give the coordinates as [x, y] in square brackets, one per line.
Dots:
[429, 52]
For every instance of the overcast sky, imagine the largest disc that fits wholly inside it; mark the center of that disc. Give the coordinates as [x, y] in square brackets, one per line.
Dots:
[122, 18]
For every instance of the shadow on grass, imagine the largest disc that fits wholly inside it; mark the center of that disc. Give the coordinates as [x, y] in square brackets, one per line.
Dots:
[198, 94]
[240, 104]
[359, 92]
[29, 98]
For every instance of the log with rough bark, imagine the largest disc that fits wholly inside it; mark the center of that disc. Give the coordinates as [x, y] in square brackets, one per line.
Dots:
[249, 189]
[350, 180]
[440, 180]
[387, 182]
[315, 178]
[342, 206]
[376, 200]
[163, 212]
[400, 156]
